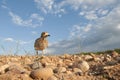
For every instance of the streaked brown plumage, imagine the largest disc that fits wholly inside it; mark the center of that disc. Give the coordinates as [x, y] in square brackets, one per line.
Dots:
[41, 43]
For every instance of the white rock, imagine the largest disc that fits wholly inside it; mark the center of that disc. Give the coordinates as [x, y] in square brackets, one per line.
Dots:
[36, 65]
[88, 57]
[2, 68]
[77, 71]
[14, 60]
[114, 54]
[60, 70]
[83, 65]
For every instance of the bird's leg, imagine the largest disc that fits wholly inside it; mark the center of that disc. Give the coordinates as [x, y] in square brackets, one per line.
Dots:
[42, 52]
[36, 52]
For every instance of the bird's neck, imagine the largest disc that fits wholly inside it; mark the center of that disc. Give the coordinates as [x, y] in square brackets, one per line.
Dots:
[43, 38]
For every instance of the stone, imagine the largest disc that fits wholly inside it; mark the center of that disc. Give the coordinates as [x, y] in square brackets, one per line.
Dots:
[111, 63]
[83, 65]
[97, 59]
[6, 77]
[14, 59]
[2, 68]
[114, 54]
[52, 78]
[36, 65]
[118, 59]
[69, 72]
[45, 59]
[108, 58]
[67, 56]
[108, 67]
[41, 74]
[60, 70]
[50, 65]
[88, 57]
[16, 69]
[77, 70]
[27, 61]
[25, 77]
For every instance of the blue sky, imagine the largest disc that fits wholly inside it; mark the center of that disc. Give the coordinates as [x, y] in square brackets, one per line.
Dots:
[74, 25]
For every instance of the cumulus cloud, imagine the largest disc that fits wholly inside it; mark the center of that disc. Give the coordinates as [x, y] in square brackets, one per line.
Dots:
[35, 20]
[101, 34]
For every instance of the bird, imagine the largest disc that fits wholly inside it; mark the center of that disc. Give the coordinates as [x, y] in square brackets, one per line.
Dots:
[41, 43]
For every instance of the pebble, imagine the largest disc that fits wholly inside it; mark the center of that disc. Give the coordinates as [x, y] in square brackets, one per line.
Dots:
[36, 65]
[52, 78]
[60, 70]
[83, 65]
[41, 74]
[2, 68]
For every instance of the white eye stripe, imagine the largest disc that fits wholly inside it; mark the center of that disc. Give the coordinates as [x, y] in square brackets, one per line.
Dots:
[46, 33]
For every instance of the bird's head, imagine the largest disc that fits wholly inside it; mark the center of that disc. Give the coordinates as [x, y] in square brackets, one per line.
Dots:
[45, 34]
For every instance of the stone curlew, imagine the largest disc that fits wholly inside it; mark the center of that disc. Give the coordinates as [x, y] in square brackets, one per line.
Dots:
[41, 43]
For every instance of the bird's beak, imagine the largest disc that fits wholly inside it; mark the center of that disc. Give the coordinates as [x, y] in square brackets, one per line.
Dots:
[48, 35]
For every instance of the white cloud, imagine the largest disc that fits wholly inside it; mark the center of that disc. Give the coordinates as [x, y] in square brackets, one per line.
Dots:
[80, 31]
[44, 5]
[102, 11]
[91, 15]
[37, 16]
[102, 34]
[3, 6]
[21, 42]
[34, 32]
[9, 39]
[90, 9]
[50, 6]
[82, 13]
[75, 4]
[88, 4]
[64, 46]
[15, 18]
[88, 28]
[35, 20]
[118, 26]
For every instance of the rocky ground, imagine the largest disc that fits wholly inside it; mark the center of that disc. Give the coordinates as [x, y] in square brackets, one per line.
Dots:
[105, 66]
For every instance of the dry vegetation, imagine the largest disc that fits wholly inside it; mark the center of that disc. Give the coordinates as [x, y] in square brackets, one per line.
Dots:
[87, 66]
